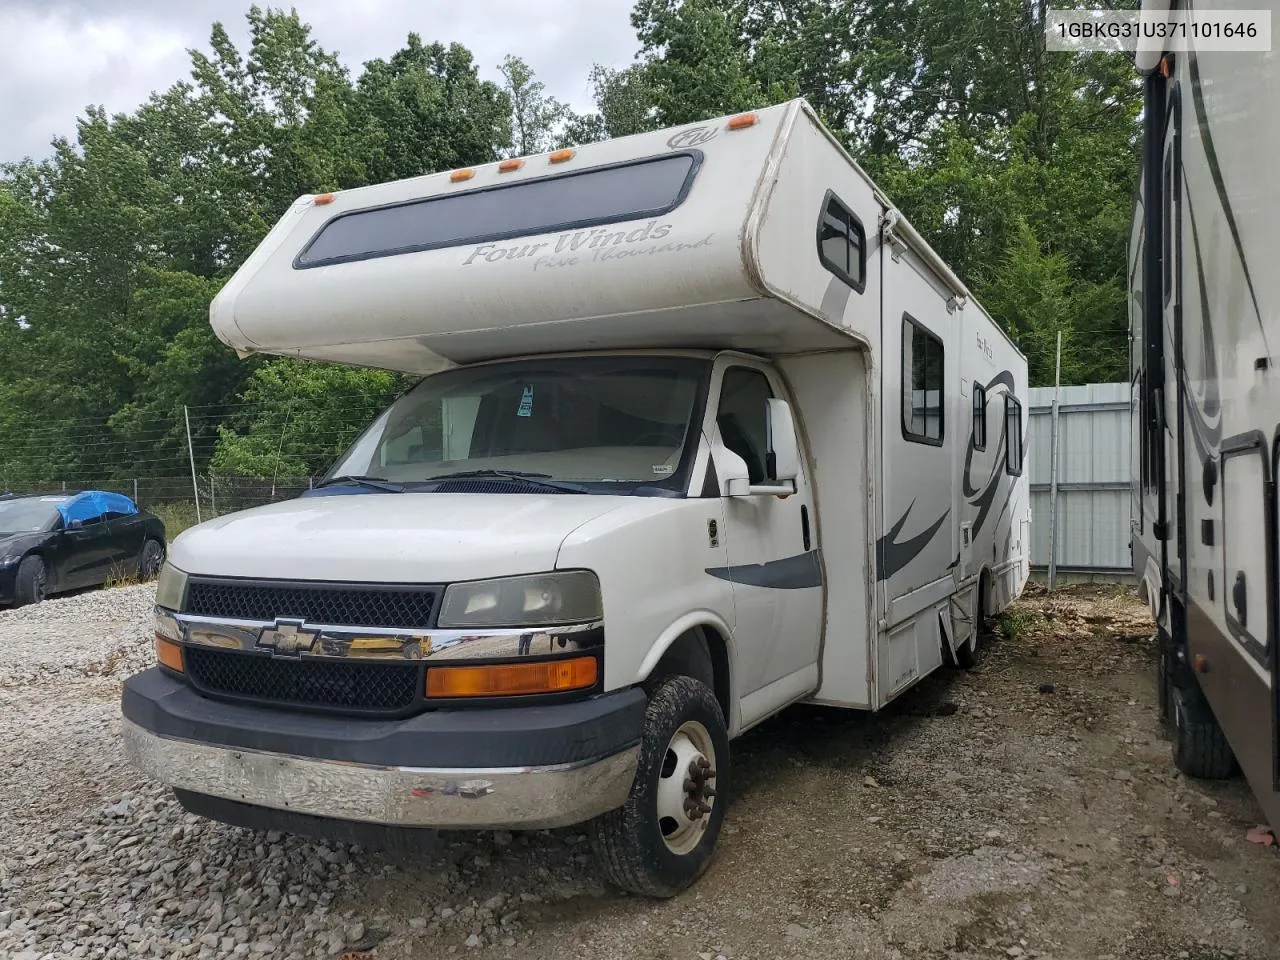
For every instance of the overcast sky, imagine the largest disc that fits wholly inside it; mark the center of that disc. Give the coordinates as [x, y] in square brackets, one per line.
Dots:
[57, 56]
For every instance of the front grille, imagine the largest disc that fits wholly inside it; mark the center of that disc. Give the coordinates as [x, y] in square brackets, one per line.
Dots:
[329, 604]
[331, 684]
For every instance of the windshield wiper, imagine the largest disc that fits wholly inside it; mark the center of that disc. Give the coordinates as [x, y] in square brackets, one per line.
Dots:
[378, 483]
[519, 476]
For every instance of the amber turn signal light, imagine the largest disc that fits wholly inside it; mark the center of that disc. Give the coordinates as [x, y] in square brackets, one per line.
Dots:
[512, 679]
[168, 653]
[742, 120]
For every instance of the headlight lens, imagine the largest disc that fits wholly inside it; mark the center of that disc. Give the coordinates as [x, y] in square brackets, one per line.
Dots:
[171, 587]
[6, 561]
[544, 599]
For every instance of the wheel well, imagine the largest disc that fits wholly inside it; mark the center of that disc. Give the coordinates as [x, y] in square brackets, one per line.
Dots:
[701, 653]
[984, 592]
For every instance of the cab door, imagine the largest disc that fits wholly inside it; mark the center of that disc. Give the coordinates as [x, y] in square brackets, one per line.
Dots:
[772, 550]
[87, 552]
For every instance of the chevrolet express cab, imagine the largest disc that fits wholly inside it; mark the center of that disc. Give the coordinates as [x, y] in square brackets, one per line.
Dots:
[704, 429]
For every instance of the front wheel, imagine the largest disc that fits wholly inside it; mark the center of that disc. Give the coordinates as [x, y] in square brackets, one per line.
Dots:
[31, 583]
[661, 840]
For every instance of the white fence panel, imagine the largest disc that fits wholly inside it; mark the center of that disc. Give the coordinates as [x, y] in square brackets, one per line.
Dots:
[1093, 477]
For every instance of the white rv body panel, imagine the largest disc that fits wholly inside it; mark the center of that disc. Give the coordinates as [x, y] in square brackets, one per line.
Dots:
[1203, 287]
[678, 278]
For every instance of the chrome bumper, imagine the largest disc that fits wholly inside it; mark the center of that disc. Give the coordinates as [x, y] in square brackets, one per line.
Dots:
[514, 797]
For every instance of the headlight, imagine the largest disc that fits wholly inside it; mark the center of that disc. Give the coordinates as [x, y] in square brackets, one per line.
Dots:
[171, 587]
[8, 561]
[544, 599]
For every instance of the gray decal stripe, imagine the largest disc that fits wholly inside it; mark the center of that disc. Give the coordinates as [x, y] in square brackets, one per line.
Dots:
[1219, 184]
[892, 556]
[835, 300]
[791, 573]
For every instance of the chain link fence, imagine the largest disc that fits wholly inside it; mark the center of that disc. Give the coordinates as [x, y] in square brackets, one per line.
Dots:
[178, 501]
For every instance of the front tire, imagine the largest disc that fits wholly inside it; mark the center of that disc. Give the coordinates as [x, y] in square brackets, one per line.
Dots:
[661, 840]
[31, 582]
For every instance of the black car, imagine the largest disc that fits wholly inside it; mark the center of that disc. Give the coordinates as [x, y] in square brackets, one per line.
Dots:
[51, 543]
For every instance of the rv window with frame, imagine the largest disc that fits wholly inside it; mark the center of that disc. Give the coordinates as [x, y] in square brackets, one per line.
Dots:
[1013, 436]
[922, 382]
[979, 417]
[569, 201]
[842, 243]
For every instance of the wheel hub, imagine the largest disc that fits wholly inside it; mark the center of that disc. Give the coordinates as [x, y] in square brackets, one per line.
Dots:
[687, 787]
[698, 788]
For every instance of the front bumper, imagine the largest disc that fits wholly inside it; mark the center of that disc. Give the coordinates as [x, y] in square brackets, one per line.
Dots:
[8, 582]
[517, 767]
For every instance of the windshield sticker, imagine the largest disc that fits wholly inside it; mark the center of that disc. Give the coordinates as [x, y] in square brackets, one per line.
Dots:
[526, 402]
[663, 469]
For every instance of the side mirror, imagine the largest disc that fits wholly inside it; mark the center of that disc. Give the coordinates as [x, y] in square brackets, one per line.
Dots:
[783, 456]
[75, 525]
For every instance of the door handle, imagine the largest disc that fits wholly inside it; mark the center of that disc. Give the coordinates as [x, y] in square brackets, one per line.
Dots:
[804, 527]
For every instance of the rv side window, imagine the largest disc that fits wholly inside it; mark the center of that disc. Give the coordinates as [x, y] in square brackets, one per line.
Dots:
[921, 384]
[979, 417]
[842, 243]
[1013, 436]
[570, 201]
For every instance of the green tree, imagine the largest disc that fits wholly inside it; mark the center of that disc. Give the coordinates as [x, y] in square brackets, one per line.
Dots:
[302, 416]
[537, 119]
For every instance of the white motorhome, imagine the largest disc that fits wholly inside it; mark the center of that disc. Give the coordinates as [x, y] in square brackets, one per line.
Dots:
[706, 429]
[1205, 312]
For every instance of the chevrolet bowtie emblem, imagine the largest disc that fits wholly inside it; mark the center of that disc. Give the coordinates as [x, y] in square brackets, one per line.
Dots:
[287, 638]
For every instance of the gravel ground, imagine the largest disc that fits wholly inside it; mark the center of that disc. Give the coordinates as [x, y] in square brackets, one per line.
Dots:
[1024, 809]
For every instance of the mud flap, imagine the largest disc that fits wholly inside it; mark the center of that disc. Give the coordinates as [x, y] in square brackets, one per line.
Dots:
[959, 623]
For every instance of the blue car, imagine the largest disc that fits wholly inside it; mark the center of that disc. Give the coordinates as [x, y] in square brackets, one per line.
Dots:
[51, 543]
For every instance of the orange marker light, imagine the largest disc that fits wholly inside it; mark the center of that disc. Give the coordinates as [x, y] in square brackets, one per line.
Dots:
[506, 166]
[324, 198]
[512, 679]
[168, 653]
[560, 156]
[742, 120]
[459, 175]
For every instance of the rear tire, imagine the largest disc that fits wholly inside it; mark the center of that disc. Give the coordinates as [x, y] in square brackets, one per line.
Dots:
[1200, 748]
[661, 840]
[31, 582]
[150, 559]
[967, 652]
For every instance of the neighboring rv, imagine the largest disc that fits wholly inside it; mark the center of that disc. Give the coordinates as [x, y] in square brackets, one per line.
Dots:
[708, 430]
[1205, 316]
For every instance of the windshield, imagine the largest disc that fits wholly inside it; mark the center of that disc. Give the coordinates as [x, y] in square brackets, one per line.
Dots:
[28, 515]
[604, 424]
